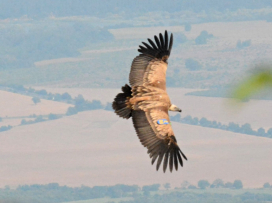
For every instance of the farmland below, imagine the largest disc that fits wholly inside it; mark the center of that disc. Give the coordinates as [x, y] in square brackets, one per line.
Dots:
[78, 143]
[106, 64]
[203, 192]
[60, 140]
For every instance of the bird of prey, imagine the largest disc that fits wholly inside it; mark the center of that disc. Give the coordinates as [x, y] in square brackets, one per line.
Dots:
[148, 103]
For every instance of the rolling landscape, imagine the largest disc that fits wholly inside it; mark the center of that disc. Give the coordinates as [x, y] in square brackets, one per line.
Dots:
[60, 69]
[85, 145]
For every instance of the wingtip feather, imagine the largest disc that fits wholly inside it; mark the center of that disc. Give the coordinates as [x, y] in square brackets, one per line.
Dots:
[159, 47]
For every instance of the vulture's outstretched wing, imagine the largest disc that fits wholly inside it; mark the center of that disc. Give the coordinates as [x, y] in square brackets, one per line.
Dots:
[149, 68]
[155, 133]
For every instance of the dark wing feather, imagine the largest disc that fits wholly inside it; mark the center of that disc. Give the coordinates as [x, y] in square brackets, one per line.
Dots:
[165, 162]
[166, 40]
[162, 41]
[171, 161]
[158, 42]
[147, 46]
[160, 49]
[156, 138]
[138, 69]
[152, 44]
[171, 43]
[157, 51]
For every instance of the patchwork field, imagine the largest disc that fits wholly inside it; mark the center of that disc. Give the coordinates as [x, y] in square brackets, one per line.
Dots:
[98, 148]
[220, 51]
[244, 29]
[213, 191]
[108, 64]
[16, 105]
[103, 200]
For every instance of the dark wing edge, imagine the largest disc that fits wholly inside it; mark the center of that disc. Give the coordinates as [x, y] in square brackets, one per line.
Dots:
[160, 50]
[159, 149]
[138, 68]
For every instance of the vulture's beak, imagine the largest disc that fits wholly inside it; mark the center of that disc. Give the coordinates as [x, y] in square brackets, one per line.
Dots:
[179, 110]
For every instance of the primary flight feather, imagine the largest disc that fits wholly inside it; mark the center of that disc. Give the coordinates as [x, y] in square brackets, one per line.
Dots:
[148, 103]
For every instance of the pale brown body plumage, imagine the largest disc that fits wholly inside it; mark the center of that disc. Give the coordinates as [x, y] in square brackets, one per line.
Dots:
[147, 102]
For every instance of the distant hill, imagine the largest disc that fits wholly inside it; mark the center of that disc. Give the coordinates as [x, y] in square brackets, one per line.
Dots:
[24, 43]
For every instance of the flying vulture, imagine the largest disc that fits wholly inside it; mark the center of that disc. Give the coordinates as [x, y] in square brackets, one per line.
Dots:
[148, 103]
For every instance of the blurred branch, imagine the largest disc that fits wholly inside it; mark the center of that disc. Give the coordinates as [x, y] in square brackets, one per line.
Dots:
[261, 79]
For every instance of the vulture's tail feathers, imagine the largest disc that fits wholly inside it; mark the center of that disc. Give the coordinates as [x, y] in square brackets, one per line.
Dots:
[160, 49]
[120, 104]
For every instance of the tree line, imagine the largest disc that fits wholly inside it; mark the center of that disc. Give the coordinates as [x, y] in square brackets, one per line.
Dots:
[81, 104]
[206, 197]
[55, 193]
[5, 128]
[223, 92]
[233, 127]
[218, 183]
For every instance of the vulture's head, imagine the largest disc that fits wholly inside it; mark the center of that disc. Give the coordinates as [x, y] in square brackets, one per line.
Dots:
[174, 108]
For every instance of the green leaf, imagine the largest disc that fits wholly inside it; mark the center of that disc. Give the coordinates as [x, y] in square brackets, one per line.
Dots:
[253, 84]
